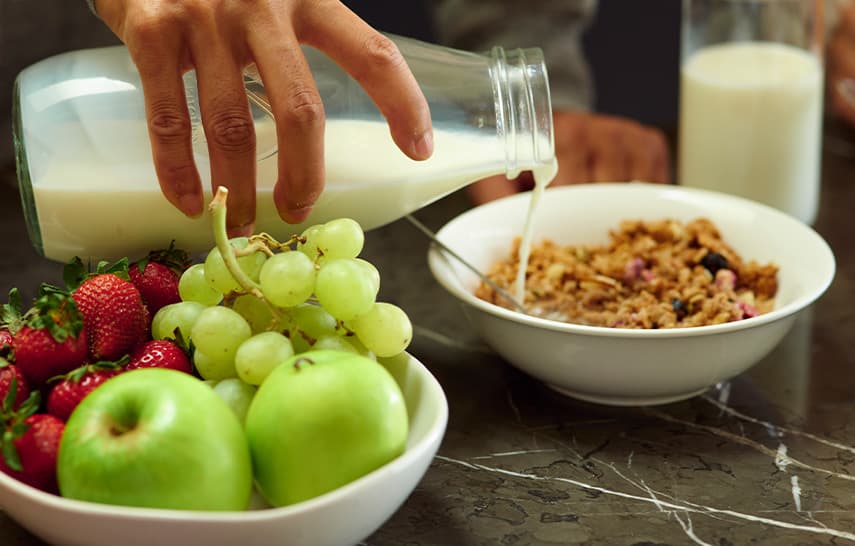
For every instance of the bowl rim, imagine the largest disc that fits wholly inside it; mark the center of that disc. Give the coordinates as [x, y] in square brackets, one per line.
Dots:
[435, 432]
[438, 260]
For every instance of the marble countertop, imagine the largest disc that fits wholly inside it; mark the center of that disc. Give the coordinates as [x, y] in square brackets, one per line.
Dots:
[765, 458]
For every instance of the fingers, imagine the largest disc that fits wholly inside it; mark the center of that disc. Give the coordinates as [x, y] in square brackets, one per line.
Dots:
[610, 145]
[648, 156]
[661, 165]
[599, 148]
[571, 149]
[375, 62]
[841, 74]
[158, 61]
[228, 125]
[299, 113]
[491, 188]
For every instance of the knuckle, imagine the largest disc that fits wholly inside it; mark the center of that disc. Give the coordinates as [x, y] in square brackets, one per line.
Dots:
[304, 107]
[227, 121]
[382, 52]
[168, 124]
[572, 133]
[615, 132]
[196, 10]
[231, 129]
[656, 143]
[148, 28]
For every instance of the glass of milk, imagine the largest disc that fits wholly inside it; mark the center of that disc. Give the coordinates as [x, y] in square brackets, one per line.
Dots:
[751, 100]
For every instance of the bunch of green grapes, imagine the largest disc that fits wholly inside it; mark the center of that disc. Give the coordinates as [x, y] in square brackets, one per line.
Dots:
[312, 292]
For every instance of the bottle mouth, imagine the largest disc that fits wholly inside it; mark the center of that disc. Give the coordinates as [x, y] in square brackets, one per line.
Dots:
[523, 108]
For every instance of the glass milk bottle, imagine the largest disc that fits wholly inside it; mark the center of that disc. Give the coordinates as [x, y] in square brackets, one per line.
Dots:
[88, 183]
[751, 100]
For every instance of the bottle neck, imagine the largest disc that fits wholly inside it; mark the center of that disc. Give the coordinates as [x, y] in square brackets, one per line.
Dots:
[523, 108]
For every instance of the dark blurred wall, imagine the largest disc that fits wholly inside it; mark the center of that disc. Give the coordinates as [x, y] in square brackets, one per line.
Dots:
[404, 17]
[632, 47]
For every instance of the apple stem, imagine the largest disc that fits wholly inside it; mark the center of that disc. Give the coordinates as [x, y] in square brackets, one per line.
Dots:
[228, 252]
[301, 360]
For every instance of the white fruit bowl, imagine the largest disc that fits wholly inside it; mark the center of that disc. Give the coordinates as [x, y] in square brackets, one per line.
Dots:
[624, 366]
[340, 517]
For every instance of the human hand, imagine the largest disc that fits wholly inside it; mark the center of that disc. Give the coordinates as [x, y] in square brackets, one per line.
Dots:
[219, 38]
[840, 64]
[592, 148]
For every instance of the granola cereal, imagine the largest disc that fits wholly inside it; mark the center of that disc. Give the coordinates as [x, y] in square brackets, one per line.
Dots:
[651, 274]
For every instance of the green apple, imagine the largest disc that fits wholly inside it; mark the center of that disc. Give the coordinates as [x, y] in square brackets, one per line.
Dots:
[156, 438]
[321, 420]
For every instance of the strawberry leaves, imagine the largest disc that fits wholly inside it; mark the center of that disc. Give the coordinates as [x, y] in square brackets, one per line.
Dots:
[57, 313]
[78, 373]
[53, 310]
[75, 272]
[10, 313]
[14, 425]
[174, 258]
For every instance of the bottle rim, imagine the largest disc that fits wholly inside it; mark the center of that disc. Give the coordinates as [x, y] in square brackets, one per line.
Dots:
[523, 107]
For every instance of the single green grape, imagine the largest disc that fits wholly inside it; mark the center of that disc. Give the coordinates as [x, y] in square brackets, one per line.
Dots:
[385, 329]
[212, 369]
[218, 332]
[181, 315]
[288, 279]
[218, 274]
[360, 347]
[193, 286]
[310, 247]
[371, 271]
[236, 394]
[345, 288]
[340, 238]
[257, 356]
[255, 311]
[334, 343]
[308, 323]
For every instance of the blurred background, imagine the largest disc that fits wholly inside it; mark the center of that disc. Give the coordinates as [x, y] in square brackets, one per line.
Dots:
[632, 49]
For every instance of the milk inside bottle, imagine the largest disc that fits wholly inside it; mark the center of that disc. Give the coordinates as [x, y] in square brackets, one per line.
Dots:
[89, 187]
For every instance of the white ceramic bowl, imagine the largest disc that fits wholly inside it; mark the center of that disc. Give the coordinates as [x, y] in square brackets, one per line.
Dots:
[625, 366]
[344, 516]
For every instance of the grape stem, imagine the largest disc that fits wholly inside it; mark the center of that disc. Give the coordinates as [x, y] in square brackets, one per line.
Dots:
[217, 209]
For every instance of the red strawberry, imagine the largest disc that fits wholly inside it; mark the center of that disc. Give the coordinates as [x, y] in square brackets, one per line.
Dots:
[52, 340]
[29, 448]
[160, 353]
[156, 276]
[157, 284]
[12, 378]
[76, 385]
[114, 315]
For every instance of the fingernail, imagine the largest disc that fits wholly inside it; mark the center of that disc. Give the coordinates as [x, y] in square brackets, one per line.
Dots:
[297, 215]
[423, 145]
[190, 204]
